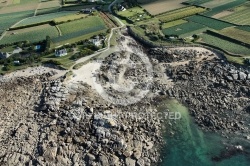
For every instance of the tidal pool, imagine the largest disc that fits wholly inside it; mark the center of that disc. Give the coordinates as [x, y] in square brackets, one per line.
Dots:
[187, 145]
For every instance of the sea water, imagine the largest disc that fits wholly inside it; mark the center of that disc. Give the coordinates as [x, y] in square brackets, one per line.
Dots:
[187, 145]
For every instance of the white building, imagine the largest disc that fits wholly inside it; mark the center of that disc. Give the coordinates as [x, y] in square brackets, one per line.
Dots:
[60, 53]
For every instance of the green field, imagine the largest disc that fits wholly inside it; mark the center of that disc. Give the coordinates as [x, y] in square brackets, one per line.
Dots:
[216, 3]
[196, 2]
[239, 17]
[47, 10]
[244, 28]
[134, 14]
[237, 34]
[43, 18]
[183, 30]
[180, 13]
[79, 25]
[83, 27]
[33, 34]
[173, 23]
[225, 44]
[7, 20]
[209, 22]
[224, 7]
[70, 17]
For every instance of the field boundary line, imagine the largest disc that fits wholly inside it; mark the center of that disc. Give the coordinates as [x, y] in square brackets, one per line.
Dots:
[59, 30]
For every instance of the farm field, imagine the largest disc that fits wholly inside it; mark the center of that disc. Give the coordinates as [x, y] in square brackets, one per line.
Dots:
[49, 4]
[196, 2]
[47, 11]
[180, 13]
[237, 34]
[70, 17]
[43, 18]
[33, 34]
[75, 30]
[244, 28]
[216, 3]
[173, 23]
[134, 14]
[78, 25]
[239, 17]
[210, 22]
[224, 7]
[8, 20]
[161, 6]
[24, 5]
[225, 44]
[182, 29]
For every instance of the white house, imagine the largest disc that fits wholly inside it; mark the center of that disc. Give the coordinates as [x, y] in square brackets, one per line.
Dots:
[96, 41]
[60, 53]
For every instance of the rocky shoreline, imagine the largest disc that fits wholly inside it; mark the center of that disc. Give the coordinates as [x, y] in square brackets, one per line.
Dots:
[53, 122]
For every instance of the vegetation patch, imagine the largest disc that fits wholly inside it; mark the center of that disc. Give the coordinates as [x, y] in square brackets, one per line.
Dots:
[134, 14]
[224, 7]
[160, 6]
[7, 20]
[68, 18]
[225, 44]
[196, 2]
[210, 22]
[180, 13]
[215, 3]
[173, 23]
[237, 34]
[181, 30]
[239, 17]
[33, 34]
[43, 18]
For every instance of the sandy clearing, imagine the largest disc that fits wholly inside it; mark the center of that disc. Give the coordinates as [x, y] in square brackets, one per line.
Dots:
[86, 73]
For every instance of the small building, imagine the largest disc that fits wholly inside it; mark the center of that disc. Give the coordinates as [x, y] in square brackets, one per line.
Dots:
[96, 41]
[4, 55]
[37, 47]
[17, 62]
[60, 53]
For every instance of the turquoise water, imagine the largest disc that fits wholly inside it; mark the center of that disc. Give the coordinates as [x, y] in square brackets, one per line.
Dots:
[187, 145]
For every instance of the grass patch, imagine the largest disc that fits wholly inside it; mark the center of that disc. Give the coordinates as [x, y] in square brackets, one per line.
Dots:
[65, 61]
[43, 18]
[33, 34]
[75, 26]
[209, 22]
[180, 13]
[237, 34]
[239, 17]
[224, 7]
[225, 44]
[173, 23]
[70, 17]
[134, 14]
[181, 30]
[7, 20]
